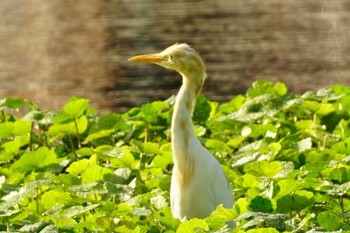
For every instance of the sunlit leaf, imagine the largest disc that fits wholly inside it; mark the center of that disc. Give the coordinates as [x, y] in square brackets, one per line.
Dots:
[71, 128]
[340, 175]
[95, 173]
[166, 219]
[287, 186]
[76, 107]
[55, 197]
[263, 230]
[21, 127]
[81, 166]
[99, 134]
[221, 217]
[36, 160]
[6, 129]
[263, 168]
[193, 225]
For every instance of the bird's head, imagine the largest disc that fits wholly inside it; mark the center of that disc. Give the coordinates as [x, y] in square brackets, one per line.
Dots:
[179, 57]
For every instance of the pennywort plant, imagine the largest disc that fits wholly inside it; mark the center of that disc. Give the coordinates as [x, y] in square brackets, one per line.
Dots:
[286, 156]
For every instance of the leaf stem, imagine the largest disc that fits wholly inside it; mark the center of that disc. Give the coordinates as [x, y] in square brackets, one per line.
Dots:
[72, 147]
[76, 128]
[37, 200]
[31, 137]
[146, 134]
[2, 116]
[341, 203]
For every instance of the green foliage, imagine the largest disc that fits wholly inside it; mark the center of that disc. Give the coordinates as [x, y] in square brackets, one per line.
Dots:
[286, 156]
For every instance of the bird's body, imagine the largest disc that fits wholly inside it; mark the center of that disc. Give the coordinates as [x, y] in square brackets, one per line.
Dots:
[198, 183]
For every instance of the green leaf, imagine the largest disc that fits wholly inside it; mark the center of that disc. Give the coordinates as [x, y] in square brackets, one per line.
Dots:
[81, 166]
[280, 88]
[127, 160]
[261, 204]
[95, 173]
[263, 230]
[54, 197]
[150, 148]
[22, 127]
[63, 222]
[295, 201]
[221, 217]
[217, 146]
[76, 107]
[259, 87]
[325, 109]
[288, 186]
[340, 89]
[263, 168]
[231, 106]
[151, 112]
[70, 128]
[250, 181]
[6, 130]
[165, 158]
[11, 103]
[329, 221]
[36, 160]
[17, 128]
[98, 135]
[342, 129]
[14, 147]
[193, 225]
[342, 146]
[340, 175]
[202, 109]
[5, 157]
[109, 121]
[166, 219]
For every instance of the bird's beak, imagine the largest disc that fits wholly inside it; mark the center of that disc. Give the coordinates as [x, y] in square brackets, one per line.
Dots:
[152, 58]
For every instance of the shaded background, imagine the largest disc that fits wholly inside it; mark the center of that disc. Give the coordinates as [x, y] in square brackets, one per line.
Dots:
[52, 50]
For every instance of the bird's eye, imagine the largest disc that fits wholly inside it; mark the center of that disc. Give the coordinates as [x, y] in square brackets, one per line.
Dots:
[169, 57]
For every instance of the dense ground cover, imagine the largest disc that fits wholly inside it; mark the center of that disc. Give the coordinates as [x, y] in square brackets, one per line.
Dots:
[286, 157]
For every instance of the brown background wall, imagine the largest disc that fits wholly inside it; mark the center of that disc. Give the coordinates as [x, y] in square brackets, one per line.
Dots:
[52, 50]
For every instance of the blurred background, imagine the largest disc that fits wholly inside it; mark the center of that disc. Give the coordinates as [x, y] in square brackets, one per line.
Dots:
[52, 50]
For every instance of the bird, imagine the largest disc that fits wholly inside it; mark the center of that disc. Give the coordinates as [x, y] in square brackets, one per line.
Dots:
[198, 183]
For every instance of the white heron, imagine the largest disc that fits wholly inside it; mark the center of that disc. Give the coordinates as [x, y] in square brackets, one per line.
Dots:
[198, 183]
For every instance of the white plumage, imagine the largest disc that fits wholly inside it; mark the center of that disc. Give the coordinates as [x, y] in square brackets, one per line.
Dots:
[198, 183]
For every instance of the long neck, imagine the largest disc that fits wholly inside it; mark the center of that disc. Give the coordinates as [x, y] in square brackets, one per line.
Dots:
[182, 128]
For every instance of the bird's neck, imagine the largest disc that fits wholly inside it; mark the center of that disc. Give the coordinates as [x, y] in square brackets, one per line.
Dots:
[182, 128]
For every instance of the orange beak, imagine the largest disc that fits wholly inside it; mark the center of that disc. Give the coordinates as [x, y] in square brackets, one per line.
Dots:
[152, 58]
